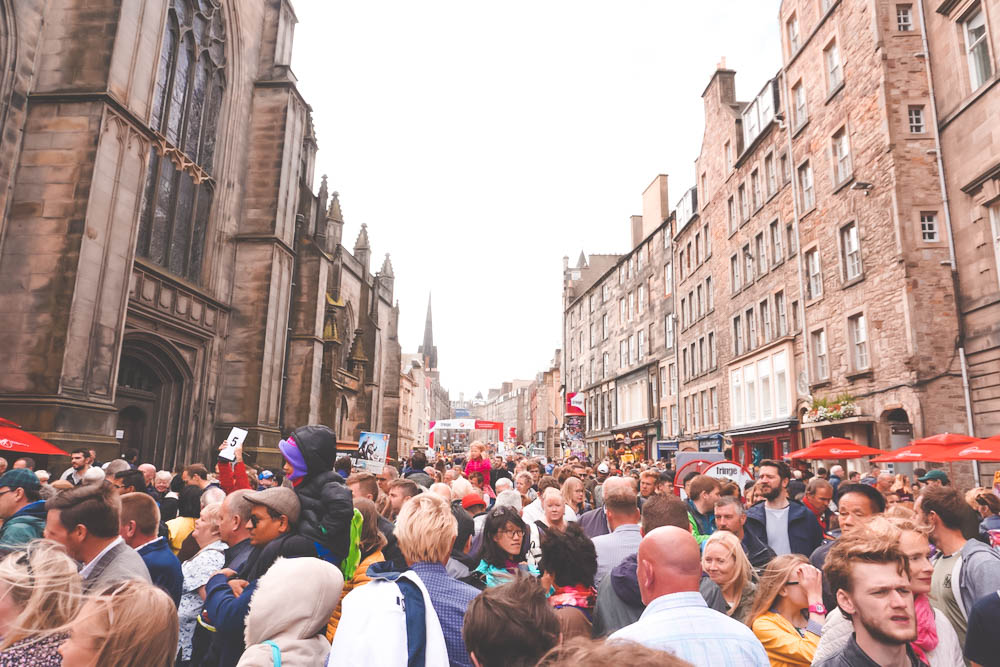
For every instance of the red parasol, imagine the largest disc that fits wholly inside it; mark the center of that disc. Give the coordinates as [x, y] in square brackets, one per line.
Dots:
[946, 440]
[913, 452]
[15, 440]
[834, 448]
[981, 450]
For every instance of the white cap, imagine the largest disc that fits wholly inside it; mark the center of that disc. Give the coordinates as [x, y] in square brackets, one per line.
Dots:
[603, 469]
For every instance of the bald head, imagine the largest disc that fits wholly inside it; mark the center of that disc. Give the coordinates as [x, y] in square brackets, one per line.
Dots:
[669, 562]
[613, 484]
[442, 490]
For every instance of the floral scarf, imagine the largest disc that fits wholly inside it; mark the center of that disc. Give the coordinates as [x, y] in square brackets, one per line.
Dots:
[495, 576]
[580, 596]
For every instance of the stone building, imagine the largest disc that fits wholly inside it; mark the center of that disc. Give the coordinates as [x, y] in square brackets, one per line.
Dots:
[616, 322]
[545, 402]
[959, 120]
[837, 309]
[165, 268]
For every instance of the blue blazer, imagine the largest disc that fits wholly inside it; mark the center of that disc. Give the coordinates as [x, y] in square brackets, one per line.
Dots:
[164, 568]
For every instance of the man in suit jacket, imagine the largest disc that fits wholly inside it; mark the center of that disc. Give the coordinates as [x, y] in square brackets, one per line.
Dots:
[85, 521]
[138, 525]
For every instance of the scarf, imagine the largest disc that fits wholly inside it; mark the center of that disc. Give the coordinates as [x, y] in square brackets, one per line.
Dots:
[580, 596]
[495, 576]
[927, 637]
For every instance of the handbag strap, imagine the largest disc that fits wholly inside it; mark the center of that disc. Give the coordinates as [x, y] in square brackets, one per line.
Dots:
[275, 653]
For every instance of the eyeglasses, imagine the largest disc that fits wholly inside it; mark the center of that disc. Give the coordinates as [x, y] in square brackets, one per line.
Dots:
[513, 534]
[254, 519]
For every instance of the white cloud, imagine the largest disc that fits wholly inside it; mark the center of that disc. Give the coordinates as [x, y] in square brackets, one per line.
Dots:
[481, 142]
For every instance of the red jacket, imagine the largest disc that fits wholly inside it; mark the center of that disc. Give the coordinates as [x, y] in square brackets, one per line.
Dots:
[233, 477]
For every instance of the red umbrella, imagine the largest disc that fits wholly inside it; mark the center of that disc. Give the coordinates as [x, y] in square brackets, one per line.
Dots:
[834, 448]
[946, 440]
[22, 442]
[7, 422]
[982, 450]
[913, 452]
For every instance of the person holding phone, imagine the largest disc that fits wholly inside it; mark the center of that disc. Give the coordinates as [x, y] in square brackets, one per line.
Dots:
[787, 615]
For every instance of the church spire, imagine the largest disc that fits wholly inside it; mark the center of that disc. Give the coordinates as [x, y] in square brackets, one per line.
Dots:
[428, 350]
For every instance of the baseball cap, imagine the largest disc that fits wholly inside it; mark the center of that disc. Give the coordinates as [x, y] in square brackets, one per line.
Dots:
[603, 469]
[265, 474]
[20, 478]
[931, 474]
[280, 499]
[472, 499]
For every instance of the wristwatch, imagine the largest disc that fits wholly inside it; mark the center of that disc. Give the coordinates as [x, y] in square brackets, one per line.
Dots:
[817, 608]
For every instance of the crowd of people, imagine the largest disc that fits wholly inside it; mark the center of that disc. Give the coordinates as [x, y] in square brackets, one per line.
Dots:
[485, 560]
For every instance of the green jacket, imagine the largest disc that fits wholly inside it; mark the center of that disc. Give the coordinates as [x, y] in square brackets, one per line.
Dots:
[27, 524]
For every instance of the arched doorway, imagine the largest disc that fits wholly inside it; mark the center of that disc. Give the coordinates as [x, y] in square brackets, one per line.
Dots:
[151, 398]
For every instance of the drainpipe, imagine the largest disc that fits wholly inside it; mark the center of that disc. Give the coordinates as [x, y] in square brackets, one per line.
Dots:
[946, 207]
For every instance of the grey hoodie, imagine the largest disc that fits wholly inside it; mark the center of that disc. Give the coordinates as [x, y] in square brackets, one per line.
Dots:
[291, 607]
[978, 574]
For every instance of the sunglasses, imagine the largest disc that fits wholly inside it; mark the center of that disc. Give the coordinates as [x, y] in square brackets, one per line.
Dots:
[254, 519]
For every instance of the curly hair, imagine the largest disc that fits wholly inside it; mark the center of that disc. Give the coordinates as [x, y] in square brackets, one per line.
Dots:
[866, 546]
[569, 556]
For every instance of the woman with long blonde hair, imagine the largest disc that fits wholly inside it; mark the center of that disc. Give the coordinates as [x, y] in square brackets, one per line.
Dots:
[725, 562]
[41, 592]
[786, 615]
[130, 624]
[575, 495]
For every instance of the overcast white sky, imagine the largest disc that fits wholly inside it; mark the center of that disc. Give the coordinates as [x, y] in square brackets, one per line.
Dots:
[482, 141]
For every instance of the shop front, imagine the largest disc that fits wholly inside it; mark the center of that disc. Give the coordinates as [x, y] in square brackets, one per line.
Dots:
[634, 443]
[766, 441]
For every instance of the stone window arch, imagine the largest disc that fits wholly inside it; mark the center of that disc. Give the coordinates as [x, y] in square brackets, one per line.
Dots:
[187, 99]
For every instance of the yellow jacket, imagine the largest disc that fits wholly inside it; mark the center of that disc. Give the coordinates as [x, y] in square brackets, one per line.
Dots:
[179, 529]
[784, 645]
[360, 578]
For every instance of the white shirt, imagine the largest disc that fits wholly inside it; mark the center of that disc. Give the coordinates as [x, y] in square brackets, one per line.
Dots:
[777, 530]
[682, 624]
[89, 567]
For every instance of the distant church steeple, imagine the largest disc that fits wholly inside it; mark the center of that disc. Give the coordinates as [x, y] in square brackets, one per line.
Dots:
[428, 350]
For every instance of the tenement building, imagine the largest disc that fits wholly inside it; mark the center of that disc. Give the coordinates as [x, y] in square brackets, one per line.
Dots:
[837, 313]
[616, 323]
[958, 122]
[166, 271]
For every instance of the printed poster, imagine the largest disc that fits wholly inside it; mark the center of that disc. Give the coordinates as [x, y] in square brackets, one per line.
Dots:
[372, 448]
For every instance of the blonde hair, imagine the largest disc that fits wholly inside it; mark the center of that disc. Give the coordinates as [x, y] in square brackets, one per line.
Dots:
[569, 486]
[43, 582]
[772, 579]
[426, 529]
[742, 572]
[134, 624]
[972, 494]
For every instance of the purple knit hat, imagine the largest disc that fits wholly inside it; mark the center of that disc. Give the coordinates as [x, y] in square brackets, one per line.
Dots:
[290, 450]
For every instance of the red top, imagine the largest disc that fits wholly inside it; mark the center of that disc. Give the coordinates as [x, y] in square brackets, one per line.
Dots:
[233, 477]
[483, 466]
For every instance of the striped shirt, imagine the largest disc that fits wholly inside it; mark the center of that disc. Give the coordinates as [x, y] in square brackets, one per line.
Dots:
[682, 624]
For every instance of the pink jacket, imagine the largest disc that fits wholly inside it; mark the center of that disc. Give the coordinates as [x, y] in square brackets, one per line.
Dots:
[483, 466]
